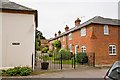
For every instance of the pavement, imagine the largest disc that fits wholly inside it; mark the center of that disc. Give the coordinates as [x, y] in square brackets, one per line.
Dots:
[77, 73]
[72, 73]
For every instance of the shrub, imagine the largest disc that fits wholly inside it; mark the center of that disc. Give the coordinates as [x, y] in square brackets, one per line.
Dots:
[65, 54]
[2, 72]
[50, 52]
[57, 44]
[45, 49]
[11, 72]
[22, 71]
[45, 57]
[82, 58]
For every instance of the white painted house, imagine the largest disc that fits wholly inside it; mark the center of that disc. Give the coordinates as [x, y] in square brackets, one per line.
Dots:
[18, 34]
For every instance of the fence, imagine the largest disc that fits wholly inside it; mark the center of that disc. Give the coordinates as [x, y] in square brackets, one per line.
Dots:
[60, 62]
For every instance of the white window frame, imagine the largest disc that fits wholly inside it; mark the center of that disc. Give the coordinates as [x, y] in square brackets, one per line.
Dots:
[83, 31]
[113, 48]
[63, 38]
[106, 30]
[70, 36]
[83, 49]
[70, 47]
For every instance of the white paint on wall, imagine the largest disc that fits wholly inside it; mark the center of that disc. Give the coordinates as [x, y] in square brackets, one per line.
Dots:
[20, 29]
[0, 40]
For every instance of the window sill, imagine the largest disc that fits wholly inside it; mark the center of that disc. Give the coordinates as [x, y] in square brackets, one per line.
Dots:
[112, 54]
[106, 34]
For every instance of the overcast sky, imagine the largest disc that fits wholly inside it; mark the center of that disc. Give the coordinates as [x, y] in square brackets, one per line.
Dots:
[53, 15]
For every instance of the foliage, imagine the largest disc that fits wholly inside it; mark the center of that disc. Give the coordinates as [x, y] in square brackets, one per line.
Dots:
[45, 50]
[22, 71]
[50, 52]
[37, 44]
[44, 57]
[65, 54]
[39, 35]
[82, 58]
[57, 44]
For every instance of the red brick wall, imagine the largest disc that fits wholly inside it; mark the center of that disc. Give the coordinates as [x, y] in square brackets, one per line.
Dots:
[63, 43]
[102, 42]
[80, 41]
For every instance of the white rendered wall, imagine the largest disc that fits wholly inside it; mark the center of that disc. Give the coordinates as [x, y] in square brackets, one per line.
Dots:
[0, 43]
[18, 28]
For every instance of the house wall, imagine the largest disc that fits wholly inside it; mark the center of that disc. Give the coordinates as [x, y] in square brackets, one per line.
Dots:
[18, 28]
[79, 40]
[102, 42]
[0, 40]
[119, 43]
[63, 43]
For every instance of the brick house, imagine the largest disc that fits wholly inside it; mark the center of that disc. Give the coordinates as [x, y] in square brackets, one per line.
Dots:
[98, 35]
[44, 43]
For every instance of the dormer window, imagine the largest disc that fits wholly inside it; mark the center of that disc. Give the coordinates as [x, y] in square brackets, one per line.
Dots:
[106, 30]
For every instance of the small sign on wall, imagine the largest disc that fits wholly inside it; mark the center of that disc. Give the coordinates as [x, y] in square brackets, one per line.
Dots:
[15, 43]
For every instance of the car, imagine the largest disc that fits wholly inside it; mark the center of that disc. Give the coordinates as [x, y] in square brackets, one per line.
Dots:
[114, 72]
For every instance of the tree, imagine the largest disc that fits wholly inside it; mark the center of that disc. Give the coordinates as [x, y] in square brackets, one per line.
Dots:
[39, 35]
[37, 44]
[57, 44]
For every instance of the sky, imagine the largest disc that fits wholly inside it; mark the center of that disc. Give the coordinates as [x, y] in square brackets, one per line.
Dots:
[54, 15]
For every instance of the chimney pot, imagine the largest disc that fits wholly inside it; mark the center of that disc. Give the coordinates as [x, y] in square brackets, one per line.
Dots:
[77, 22]
[66, 28]
[55, 35]
[59, 32]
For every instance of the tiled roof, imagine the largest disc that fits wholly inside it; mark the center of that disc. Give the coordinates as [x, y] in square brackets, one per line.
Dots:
[96, 19]
[13, 6]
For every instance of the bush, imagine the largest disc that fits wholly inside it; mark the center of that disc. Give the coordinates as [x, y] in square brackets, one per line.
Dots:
[45, 57]
[82, 58]
[57, 44]
[45, 50]
[22, 71]
[50, 52]
[65, 54]
[2, 72]
[11, 72]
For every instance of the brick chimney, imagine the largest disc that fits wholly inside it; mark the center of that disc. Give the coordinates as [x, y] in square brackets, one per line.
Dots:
[55, 35]
[77, 22]
[66, 28]
[59, 32]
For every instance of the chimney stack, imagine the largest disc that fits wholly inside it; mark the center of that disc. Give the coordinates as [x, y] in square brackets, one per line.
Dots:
[66, 28]
[59, 32]
[77, 22]
[55, 35]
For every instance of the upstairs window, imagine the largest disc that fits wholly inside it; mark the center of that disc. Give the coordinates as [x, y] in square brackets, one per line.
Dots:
[83, 32]
[83, 49]
[63, 38]
[106, 30]
[70, 36]
[112, 50]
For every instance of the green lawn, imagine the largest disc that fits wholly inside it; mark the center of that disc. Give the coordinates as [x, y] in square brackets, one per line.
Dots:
[63, 62]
